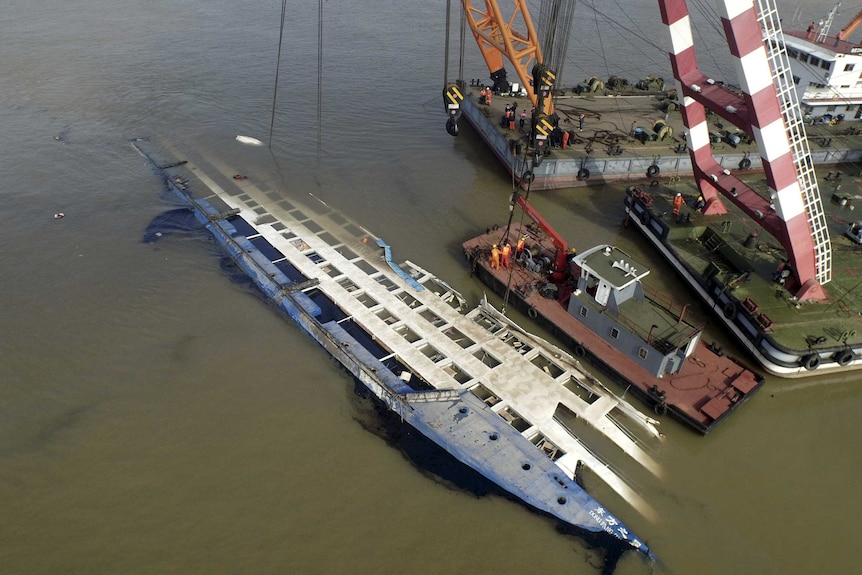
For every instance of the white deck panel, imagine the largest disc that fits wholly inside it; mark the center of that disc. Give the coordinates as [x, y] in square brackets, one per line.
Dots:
[519, 384]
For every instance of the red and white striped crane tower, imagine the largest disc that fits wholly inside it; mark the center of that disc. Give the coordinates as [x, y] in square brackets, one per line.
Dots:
[767, 110]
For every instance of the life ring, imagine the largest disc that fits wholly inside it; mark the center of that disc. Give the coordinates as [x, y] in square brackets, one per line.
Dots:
[660, 408]
[811, 361]
[532, 313]
[528, 177]
[580, 351]
[744, 164]
[645, 217]
[844, 357]
[583, 174]
[652, 171]
[730, 310]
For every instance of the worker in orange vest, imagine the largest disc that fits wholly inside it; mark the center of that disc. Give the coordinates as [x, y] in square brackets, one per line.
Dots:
[519, 247]
[566, 136]
[512, 120]
[677, 203]
[488, 93]
[507, 249]
[495, 257]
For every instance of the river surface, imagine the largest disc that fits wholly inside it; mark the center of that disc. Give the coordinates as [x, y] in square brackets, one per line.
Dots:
[157, 418]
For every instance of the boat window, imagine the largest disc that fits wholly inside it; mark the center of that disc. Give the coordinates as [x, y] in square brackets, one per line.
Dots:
[407, 333]
[347, 252]
[814, 60]
[578, 388]
[583, 311]
[315, 257]
[408, 299]
[386, 316]
[486, 358]
[313, 227]
[387, 283]
[825, 64]
[516, 343]
[458, 337]
[642, 353]
[329, 238]
[331, 271]
[485, 395]
[547, 366]
[803, 57]
[488, 323]
[431, 353]
[347, 284]
[615, 333]
[432, 317]
[548, 448]
[457, 373]
[849, 67]
[367, 300]
[514, 419]
[367, 267]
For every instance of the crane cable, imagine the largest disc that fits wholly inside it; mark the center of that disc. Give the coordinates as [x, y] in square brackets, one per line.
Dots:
[512, 203]
[277, 69]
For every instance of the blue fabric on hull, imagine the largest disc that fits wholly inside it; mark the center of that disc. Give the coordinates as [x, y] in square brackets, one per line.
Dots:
[387, 255]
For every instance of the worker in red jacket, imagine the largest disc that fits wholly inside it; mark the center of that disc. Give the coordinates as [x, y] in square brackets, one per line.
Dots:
[677, 204]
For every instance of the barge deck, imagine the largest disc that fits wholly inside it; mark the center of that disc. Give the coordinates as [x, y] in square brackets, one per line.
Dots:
[644, 342]
[735, 268]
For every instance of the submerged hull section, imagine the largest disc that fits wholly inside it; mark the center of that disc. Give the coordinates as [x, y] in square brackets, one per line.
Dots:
[370, 318]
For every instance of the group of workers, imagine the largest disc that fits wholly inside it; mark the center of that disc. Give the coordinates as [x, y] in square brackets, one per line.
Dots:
[485, 95]
[500, 256]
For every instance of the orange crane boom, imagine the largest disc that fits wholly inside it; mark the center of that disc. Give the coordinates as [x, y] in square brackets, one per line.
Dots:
[497, 36]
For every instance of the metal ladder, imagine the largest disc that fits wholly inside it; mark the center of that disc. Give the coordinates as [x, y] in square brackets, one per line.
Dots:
[790, 110]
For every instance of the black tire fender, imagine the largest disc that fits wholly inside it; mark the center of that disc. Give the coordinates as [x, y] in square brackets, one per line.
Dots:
[645, 217]
[580, 351]
[653, 171]
[730, 310]
[528, 177]
[811, 361]
[744, 164]
[532, 313]
[583, 174]
[844, 357]
[660, 408]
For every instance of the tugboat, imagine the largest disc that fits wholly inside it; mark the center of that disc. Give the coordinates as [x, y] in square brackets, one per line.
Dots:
[596, 303]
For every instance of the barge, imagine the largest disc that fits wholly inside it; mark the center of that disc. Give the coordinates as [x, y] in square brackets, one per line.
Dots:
[597, 304]
[741, 274]
[499, 400]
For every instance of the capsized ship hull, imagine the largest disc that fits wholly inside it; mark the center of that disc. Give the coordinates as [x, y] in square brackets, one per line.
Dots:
[404, 334]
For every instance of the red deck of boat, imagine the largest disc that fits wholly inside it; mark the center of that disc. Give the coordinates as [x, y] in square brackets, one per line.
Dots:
[705, 391]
